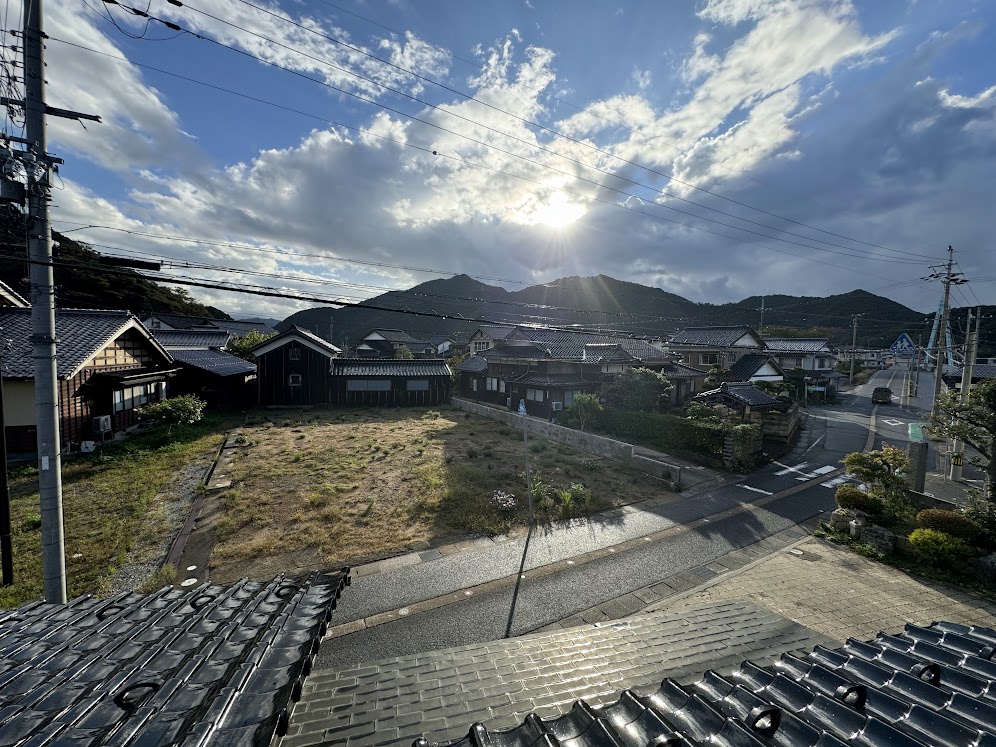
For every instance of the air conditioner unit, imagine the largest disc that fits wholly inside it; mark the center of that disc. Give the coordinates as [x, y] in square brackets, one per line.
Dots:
[102, 424]
[558, 406]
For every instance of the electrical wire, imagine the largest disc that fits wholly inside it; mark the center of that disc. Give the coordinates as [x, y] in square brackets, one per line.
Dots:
[477, 165]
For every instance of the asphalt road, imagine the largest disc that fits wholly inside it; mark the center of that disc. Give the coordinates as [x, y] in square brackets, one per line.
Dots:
[831, 432]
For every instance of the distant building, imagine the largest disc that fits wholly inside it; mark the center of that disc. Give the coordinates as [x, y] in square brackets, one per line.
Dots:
[235, 328]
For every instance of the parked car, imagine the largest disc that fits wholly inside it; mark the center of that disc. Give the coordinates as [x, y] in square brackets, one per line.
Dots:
[882, 395]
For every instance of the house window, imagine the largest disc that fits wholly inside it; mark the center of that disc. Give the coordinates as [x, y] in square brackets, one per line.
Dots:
[417, 385]
[133, 396]
[569, 397]
[494, 384]
[294, 380]
[473, 385]
[481, 345]
[368, 385]
[708, 359]
[731, 357]
[294, 354]
[535, 395]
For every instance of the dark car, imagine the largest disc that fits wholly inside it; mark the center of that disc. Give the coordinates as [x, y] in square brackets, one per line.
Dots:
[882, 395]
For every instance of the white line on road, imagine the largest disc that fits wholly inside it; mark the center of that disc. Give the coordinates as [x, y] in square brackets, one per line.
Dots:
[755, 490]
[835, 481]
[797, 468]
[894, 422]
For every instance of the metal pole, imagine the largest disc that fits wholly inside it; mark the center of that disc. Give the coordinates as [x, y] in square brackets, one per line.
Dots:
[6, 547]
[43, 338]
[941, 339]
[529, 478]
[971, 348]
[854, 346]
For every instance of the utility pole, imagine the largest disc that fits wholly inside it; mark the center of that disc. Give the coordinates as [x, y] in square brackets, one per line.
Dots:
[760, 327]
[38, 165]
[854, 345]
[971, 351]
[947, 278]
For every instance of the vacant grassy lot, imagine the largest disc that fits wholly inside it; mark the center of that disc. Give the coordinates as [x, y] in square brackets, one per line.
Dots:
[321, 487]
[114, 502]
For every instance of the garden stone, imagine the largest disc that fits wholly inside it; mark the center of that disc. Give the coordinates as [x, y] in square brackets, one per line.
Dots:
[840, 519]
[985, 569]
[881, 539]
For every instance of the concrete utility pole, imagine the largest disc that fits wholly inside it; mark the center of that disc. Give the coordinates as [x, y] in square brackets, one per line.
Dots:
[947, 278]
[43, 337]
[854, 345]
[760, 327]
[38, 164]
[971, 351]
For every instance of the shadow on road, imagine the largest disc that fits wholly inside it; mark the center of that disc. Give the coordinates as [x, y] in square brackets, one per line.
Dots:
[518, 581]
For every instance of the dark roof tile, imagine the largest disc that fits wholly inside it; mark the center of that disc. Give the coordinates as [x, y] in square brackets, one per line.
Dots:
[742, 392]
[746, 366]
[215, 666]
[191, 338]
[236, 328]
[216, 362]
[474, 364]
[721, 337]
[797, 344]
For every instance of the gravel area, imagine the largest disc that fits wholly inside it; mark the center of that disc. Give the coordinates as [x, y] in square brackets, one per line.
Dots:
[142, 563]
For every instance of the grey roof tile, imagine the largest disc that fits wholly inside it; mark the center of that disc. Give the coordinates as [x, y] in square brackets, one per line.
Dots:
[191, 338]
[798, 344]
[742, 392]
[573, 345]
[389, 367]
[746, 366]
[211, 666]
[721, 337]
[295, 331]
[392, 335]
[474, 364]
[216, 362]
[81, 333]
[236, 328]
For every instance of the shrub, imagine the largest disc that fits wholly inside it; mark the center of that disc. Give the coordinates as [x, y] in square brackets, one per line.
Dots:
[949, 522]
[939, 547]
[849, 497]
[566, 503]
[174, 411]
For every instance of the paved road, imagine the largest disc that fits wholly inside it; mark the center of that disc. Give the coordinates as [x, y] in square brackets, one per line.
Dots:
[831, 433]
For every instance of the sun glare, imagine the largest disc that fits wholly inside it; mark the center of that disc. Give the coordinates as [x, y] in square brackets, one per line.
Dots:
[557, 212]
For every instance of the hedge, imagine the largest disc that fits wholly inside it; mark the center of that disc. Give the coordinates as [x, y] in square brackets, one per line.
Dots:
[849, 497]
[939, 547]
[949, 522]
[661, 431]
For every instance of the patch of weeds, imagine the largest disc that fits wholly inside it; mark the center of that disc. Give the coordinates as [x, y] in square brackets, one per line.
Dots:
[368, 510]
[431, 415]
[31, 522]
[488, 452]
[165, 576]
[301, 437]
[538, 446]
[471, 452]
[297, 457]
[592, 465]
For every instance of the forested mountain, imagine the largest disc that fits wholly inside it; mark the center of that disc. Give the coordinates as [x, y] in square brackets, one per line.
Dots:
[602, 302]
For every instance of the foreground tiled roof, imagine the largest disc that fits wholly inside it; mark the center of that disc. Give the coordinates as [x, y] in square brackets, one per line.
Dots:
[216, 362]
[676, 370]
[747, 366]
[389, 367]
[474, 364]
[191, 338]
[926, 686]
[81, 333]
[210, 666]
[439, 694]
[797, 344]
[571, 345]
[720, 337]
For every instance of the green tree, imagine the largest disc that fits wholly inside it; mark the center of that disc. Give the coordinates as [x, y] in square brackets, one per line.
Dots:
[585, 407]
[884, 470]
[404, 353]
[241, 346]
[974, 422]
[637, 389]
[173, 411]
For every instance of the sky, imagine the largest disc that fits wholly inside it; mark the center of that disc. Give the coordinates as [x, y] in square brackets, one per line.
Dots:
[717, 149]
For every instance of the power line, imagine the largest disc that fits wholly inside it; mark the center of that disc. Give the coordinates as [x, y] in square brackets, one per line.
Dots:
[534, 145]
[524, 120]
[496, 148]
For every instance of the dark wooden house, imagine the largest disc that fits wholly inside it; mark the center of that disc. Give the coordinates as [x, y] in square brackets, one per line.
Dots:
[295, 368]
[108, 365]
[385, 381]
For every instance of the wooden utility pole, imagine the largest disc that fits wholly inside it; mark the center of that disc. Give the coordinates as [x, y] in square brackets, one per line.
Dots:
[854, 345]
[971, 351]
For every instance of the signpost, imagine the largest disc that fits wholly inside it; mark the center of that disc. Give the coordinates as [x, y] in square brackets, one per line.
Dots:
[525, 443]
[903, 347]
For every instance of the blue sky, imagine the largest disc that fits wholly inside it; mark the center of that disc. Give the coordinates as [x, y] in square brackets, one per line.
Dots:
[716, 149]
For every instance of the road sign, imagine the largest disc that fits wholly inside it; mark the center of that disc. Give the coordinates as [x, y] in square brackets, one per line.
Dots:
[903, 346]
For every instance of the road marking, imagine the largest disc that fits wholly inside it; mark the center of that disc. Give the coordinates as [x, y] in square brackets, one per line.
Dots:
[754, 490]
[815, 473]
[835, 481]
[894, 422]
[796, 468]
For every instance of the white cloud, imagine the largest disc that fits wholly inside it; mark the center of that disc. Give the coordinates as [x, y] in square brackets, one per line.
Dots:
[642, 78]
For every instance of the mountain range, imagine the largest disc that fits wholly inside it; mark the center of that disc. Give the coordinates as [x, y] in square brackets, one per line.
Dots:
[457, 305]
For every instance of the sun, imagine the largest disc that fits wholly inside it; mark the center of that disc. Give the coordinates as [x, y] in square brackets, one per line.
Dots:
[557, 212]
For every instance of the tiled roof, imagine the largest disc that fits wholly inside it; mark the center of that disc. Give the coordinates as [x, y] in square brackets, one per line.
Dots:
[719, 337]
[209, 666]
[307, 335]
[746, 366]
[927, 686]
[677, 370]
[496, 332]
[571, 345]
[743, 392]
[558, 380]
[81, 333]
[216, 362]
[797, 344]
[10, 297]
[237, 328]
[980, 372]
[392, 335]
[389, 367]
[474, 364]
[191, 338]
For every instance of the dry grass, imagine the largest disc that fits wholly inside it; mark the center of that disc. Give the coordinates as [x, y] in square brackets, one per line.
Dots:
[336, 486]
